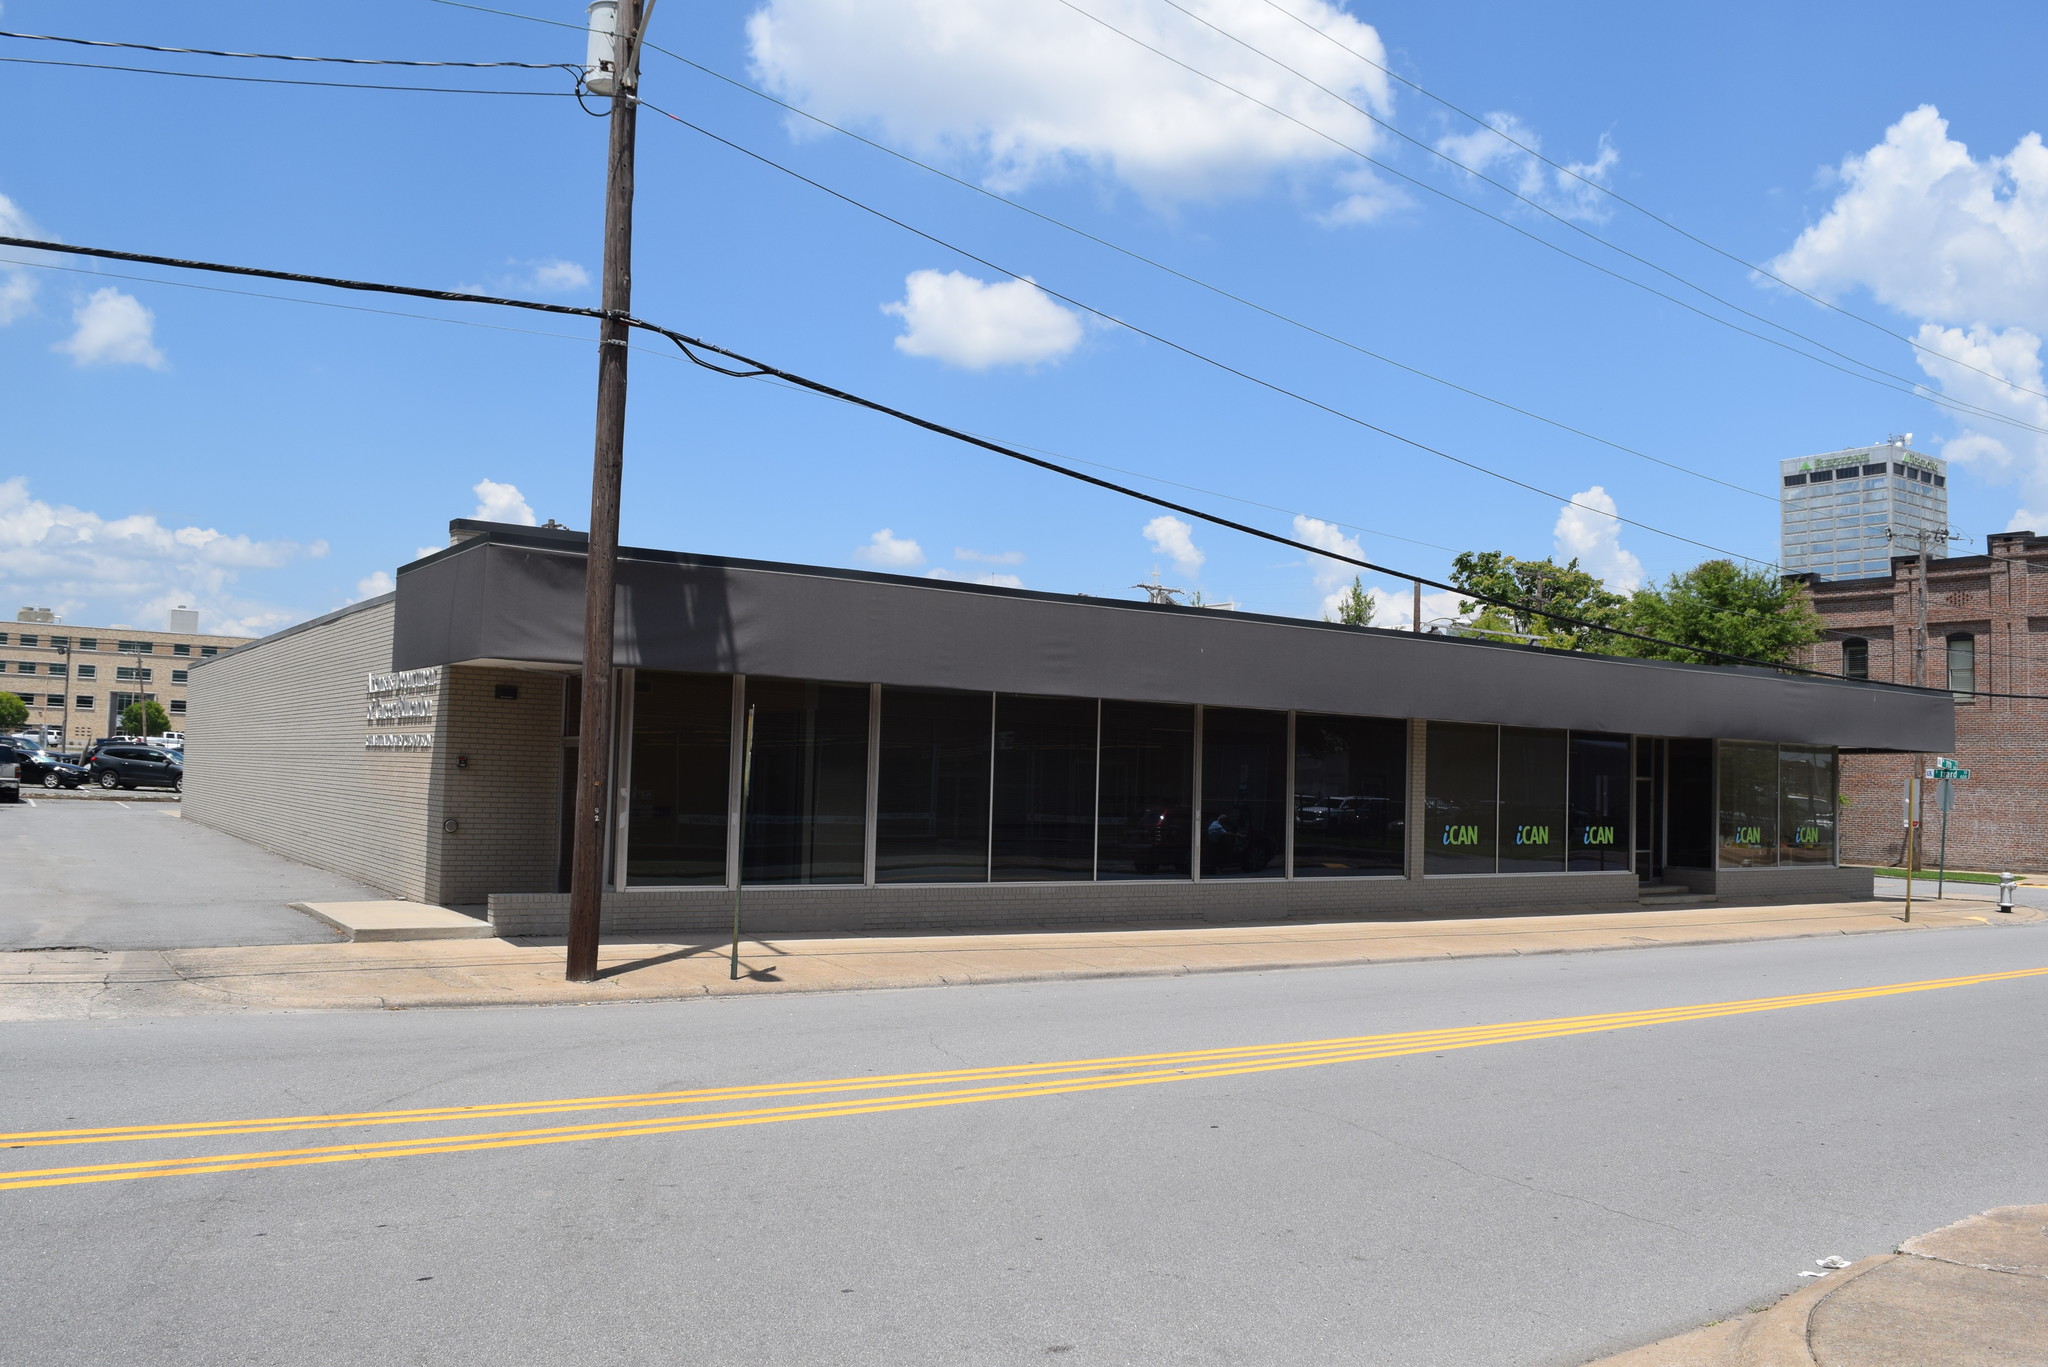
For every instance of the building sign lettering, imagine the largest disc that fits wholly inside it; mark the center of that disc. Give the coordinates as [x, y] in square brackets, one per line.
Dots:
[401, 696]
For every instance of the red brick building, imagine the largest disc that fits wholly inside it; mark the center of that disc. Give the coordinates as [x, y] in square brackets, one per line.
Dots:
[1986, 631]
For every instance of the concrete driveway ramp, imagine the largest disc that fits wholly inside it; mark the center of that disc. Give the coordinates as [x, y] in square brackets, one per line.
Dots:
[1973, 1294]
[396, 921]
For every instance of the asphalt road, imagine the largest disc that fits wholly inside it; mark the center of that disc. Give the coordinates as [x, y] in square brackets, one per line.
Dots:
[118, 875]
[1526, 1202]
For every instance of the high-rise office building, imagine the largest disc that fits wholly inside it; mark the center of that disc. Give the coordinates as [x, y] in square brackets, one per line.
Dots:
[1846, 514]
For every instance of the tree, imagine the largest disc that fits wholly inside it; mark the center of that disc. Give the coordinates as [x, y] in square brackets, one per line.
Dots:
[13, 711]
[144, 719]
[1537, 584]
[1719, 606]
[1354, 609]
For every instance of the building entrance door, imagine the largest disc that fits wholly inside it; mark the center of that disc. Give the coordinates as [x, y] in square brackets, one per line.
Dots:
[1652, 765]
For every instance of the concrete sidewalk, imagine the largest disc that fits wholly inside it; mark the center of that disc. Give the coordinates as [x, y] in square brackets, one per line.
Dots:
[88, 984]
[1973, 1294]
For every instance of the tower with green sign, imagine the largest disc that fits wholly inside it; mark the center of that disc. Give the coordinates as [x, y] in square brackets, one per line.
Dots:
[1835, 509]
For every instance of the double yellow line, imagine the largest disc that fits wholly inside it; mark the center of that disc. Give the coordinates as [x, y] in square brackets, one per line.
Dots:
[1004, 1083]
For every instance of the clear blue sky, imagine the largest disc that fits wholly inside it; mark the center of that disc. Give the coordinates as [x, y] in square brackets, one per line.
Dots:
[266, 460]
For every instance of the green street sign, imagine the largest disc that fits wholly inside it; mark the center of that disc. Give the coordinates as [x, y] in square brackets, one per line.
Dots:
[1948, 774]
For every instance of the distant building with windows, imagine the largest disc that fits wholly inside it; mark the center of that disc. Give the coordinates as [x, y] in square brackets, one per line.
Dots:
[1986, 619]
[1845, 515]
[77, 680]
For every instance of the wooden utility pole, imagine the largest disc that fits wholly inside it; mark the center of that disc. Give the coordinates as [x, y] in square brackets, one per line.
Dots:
[594, 733]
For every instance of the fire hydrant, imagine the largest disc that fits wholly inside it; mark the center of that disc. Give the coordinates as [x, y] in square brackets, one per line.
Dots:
[2006, 883]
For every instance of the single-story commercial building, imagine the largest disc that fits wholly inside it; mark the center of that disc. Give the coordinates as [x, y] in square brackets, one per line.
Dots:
[931, 753]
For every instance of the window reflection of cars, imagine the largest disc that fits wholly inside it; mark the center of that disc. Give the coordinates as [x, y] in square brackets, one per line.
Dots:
[1159, 839]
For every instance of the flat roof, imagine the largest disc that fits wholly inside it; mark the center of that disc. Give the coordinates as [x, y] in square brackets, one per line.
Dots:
[514, 595]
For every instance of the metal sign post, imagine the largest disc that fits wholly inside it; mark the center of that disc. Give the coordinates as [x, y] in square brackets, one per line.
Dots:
[1912, 831]
[1945, 772]
[739, 873]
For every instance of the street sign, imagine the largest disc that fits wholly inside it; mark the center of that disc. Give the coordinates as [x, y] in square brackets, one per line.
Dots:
[1946, 774]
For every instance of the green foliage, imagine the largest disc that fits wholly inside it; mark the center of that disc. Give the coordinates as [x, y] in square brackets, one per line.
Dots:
[1719, 606]
[145, 719]
[1354, 609]
[1712, 607]
[1565, 589]
[13, 711]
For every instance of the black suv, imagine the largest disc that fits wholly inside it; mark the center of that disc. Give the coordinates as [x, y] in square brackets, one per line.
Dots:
[39, 766]
[118, 765]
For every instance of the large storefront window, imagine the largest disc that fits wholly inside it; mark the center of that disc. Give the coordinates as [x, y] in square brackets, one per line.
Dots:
[931, 819]
[1749, 805]
[807, 811]
[1806, 805]
[1532, 801]
[1244, 793]
[1350, 795]
[1599, 837]
[1044, 819]
[1463, 798]
[1147, 791]
[680, 751]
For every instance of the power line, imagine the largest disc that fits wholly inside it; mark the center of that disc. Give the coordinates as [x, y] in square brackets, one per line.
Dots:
[669, 355]
[1899, 382]
[1653, 216]
[280, 80]
[1204, 358]
[1515, 194]
[689, 345]
[1218, 290]
[277, 56]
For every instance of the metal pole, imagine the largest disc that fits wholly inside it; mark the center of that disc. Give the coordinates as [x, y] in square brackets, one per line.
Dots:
[1416, 625]
[1912, 829]
[586, 870]
[739, 873]
[1941, 878]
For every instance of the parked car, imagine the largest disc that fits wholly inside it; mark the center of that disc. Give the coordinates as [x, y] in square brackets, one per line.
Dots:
[38, 767]
[10, 781]
[126, 764]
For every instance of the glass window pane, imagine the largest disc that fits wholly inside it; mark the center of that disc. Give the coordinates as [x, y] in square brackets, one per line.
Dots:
[1856, 658]
[1600, 802]
[1244, 793]
[1148, 791]
[1806, 805]
[682, 745]
[932, 822]
[1463, 798]
[806, 810]
[1749, 805]
[1532, 800]
[1044, 821]
[1350, 795]
[1962, 664]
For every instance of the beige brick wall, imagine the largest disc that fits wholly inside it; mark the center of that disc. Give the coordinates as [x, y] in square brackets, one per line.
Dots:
[497, 776]
[291, 773]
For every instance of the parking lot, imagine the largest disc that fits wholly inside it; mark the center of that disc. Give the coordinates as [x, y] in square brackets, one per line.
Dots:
[131, 874]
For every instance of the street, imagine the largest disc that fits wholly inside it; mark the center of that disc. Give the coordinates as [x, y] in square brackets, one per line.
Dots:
[1520, 1202]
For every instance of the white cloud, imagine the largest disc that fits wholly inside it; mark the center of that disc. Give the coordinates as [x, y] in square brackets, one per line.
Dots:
[112, 329]
[556, 276]
[1006, 581]
[17, 283]
[1367, 200]
[497, 502]
[134, 566]
[1595, 541]
[372, 584]
[1960, 245]
[989, 557]
[1395, 608]
[972, 324]
[888, 551]
[1023, 92]
[1175, 540]
[1332, 577]
[1491, 151]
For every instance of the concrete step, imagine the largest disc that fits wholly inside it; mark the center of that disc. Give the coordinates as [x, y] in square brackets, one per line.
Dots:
[1673, 897]
[396, 920]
